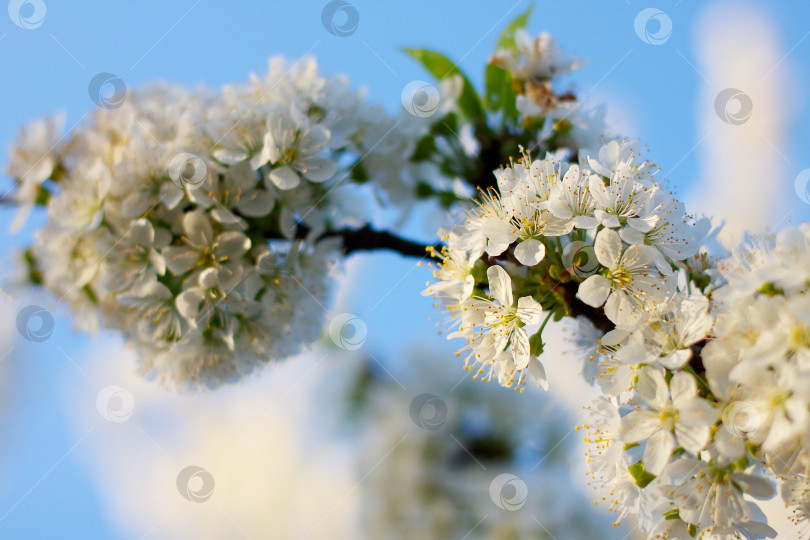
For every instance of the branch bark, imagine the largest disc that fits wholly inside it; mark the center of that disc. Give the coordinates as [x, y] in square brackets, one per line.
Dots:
[367, 239]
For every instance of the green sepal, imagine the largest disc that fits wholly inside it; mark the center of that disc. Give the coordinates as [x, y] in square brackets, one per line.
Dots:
[536, 344]
[741, 463]
[640, 475]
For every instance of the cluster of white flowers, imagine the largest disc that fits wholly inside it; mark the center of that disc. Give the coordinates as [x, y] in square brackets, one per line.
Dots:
[554, 213]
[534, 63]
[758, 363]
[708, 400]
[193, 220]
[203, 225]
[703, 370]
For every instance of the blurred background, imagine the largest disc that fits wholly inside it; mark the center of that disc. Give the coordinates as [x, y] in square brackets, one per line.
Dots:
[384, 436]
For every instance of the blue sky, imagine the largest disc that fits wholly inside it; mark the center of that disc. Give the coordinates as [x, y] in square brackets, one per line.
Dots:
[48, 69]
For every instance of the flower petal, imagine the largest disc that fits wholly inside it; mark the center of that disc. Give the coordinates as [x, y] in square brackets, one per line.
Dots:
[639, 424]
[285, 177]
[258, 203]
[521, 350]
[658, 451]
[530, 252]
[683, 388]
[652, 387]
[318, 169]
[231, 245]
[608, 247]
[594, 290]
[500, 285]
[529, 310]
[538, 373]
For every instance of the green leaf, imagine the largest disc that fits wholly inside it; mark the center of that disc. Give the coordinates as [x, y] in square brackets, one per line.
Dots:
[441, 68]
[447, 126]
[507, 37]
[536, 344]
[425, 147]
[500, 96]
[641, 476]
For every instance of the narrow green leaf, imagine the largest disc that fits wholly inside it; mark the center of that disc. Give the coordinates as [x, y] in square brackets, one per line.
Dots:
[507, 37]
[441, 68]
[500, 96]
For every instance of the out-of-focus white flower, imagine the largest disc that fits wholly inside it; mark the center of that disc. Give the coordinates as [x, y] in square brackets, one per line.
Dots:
[32, 160]
[162, 212]
[535, 59]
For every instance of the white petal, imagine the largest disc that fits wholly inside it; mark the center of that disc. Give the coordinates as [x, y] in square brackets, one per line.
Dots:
[652, 387]
[658, 451]
[755, 486]
[692, 438]
[225, 216]
[639, 424]
[521, 350]
[530, 252]
[676, 360]
[623, 312]
[594, 290]
[231, 245]
[209, 278]
[318, 169]
[683, 388]
[180, 259]
[285, 177]
[198, 229]
[608, 247]
[585, 222]
[188, 303]
[538, 373]
[494, 248]
[258, 203]
[229, 157]
[529, 310]
[500, 285]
